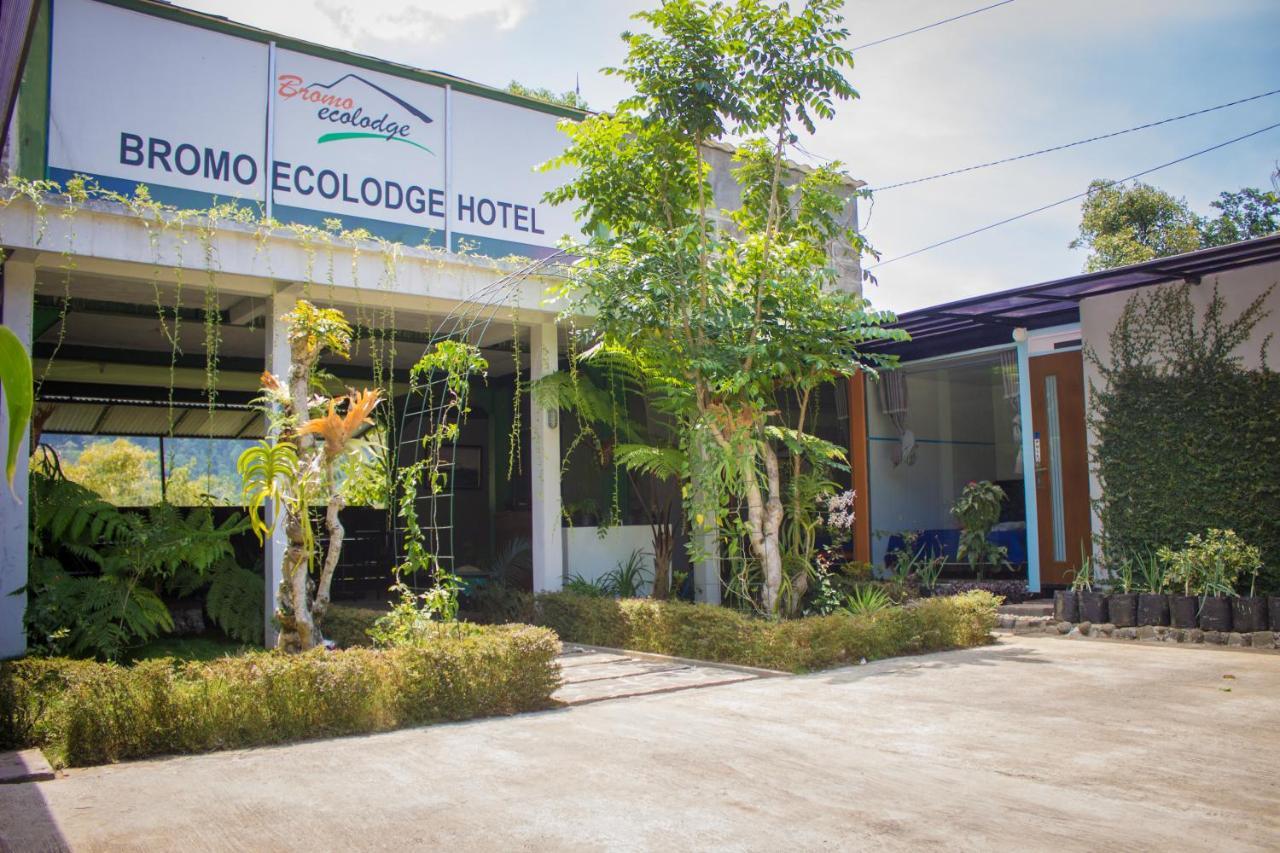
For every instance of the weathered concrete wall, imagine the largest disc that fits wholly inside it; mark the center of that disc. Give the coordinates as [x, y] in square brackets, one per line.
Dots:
[727, 195]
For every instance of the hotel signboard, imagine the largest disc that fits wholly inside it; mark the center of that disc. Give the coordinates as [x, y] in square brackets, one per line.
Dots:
[201, 113]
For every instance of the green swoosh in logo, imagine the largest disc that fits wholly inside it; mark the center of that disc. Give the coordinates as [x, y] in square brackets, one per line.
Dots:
[338, 137]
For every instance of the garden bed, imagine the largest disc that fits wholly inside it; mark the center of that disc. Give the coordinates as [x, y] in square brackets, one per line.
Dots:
[84, 712]
[721, 635]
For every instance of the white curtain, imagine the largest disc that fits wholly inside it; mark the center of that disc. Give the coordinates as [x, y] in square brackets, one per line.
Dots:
[1012, 396]
[893, 404]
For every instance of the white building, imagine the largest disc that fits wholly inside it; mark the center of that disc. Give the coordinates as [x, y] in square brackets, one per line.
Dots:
[156, 327]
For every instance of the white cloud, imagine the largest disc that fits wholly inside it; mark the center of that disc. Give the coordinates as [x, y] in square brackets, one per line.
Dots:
[348, 23]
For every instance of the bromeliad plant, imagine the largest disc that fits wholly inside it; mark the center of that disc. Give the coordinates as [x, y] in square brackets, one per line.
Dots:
[293, 472]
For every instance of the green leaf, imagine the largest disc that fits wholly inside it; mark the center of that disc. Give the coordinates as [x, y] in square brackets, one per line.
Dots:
[19, 395]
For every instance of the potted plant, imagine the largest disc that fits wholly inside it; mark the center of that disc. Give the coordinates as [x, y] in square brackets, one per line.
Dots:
[1249, 612]
[1066, 605]
[1209, 564]
[978, 510]
[1153, 603]
[1183, 579]
[1093, 603]
[1122, 602]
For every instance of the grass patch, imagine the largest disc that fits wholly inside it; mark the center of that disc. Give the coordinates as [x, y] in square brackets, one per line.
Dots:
[190, 648]
[85, 712]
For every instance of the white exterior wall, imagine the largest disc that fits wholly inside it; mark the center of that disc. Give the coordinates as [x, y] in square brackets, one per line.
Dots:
[591, 556]
[1238, 289]
[19, 290]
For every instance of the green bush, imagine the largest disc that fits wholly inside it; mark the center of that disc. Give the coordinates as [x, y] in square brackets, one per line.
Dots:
[719, 634]
[349, 626]
[83, 712]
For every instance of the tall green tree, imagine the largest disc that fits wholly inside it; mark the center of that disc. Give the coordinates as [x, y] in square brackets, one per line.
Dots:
[1242, 215]
[1128, 224]
[726, 311]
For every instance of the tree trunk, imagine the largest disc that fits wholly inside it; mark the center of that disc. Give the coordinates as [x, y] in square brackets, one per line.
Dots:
[663, 548]
[298, 630]
[336, 532]
[764, 523]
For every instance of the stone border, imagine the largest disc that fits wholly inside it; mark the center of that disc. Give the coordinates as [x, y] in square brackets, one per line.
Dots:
[1261, 640]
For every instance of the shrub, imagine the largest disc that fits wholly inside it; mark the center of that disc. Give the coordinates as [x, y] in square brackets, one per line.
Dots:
[348, 627]
[707, 632]
[82, 712]
[1211, 564]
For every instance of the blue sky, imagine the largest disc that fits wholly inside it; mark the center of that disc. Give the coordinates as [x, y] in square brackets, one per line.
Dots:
[1027, 75]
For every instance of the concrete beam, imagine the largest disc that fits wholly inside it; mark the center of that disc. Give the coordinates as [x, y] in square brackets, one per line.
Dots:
[16, 313]
[101, 235]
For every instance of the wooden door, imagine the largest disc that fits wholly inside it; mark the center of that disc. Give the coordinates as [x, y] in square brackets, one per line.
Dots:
[1061, 459]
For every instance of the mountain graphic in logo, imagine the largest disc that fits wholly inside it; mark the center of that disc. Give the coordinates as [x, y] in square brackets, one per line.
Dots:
[343, 110]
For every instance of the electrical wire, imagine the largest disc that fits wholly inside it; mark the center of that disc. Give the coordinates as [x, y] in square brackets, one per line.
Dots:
[1063, 201]
[1072, 144]
[930, 26]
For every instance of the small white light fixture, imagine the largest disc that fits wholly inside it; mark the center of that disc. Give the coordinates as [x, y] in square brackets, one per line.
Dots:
[1020, 335]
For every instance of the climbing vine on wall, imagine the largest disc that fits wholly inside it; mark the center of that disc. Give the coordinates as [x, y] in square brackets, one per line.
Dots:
[1186, 437]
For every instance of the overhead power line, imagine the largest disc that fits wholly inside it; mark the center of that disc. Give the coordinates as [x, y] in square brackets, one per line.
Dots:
[931, 26]
[1079, 195]
[1111, 135]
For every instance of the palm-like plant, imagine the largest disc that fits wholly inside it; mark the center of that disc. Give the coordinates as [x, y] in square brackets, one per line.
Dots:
[643, 447]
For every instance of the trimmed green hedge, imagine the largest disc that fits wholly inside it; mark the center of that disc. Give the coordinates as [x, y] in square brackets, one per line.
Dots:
[711, 633]
[84, 712]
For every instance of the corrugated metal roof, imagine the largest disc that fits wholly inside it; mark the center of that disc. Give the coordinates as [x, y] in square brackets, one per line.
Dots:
[989, 319]
[103, 416]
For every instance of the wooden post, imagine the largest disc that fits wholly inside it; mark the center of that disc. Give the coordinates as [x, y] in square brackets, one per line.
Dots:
[859, 475]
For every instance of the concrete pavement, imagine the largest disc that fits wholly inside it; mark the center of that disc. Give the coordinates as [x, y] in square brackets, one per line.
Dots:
[1035, 743]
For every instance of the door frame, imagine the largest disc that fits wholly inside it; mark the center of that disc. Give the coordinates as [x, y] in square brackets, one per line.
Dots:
[1031, 344]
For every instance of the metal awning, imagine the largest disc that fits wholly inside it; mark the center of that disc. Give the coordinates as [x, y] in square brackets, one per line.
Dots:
[83, 415]
[989, 320]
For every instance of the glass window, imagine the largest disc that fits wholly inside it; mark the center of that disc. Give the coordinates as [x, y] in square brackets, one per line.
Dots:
[957, 422]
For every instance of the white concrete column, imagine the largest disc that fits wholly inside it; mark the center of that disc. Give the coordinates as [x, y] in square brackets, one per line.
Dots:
[18, 307]
[544, 467]
[277, 362]
[706, 571]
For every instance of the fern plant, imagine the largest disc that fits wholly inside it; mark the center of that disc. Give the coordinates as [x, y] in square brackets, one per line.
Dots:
[234, 601]
[98, 574]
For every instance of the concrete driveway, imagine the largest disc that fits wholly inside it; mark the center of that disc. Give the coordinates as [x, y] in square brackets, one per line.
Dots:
[1035, 743]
